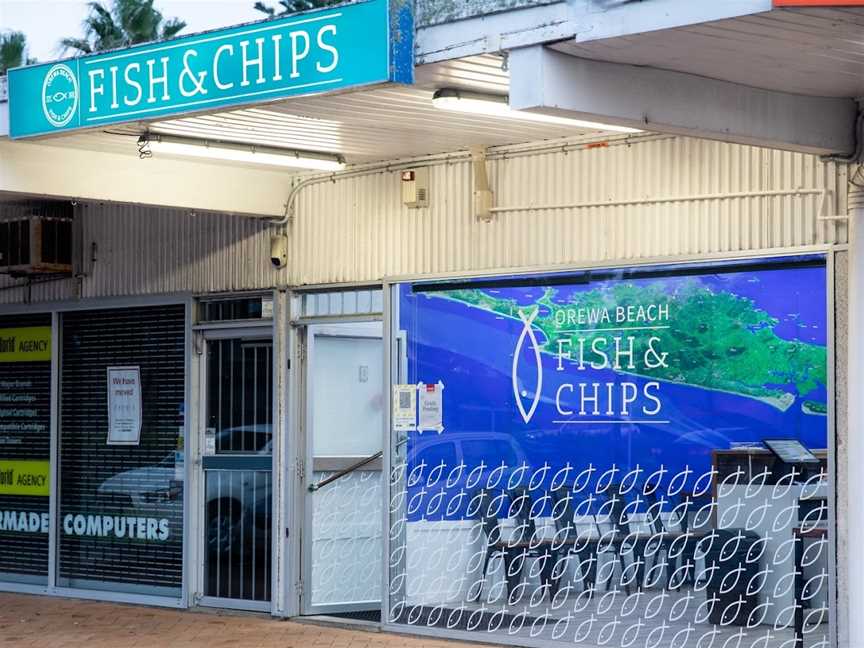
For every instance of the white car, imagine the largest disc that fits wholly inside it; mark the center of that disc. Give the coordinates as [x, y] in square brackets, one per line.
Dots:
[238, 502]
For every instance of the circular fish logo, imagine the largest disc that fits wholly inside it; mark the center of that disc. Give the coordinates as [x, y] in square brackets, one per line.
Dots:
[59, 95]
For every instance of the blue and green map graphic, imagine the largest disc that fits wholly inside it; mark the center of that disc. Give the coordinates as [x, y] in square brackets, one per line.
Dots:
[650, 371]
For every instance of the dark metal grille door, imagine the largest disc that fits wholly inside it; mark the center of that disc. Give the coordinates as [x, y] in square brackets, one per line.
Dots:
[238, 476]
[25, 434]
[121, 506]
[239, 515]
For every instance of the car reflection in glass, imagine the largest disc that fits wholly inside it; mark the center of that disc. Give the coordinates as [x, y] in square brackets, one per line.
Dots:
[460, 463]
[238, 502]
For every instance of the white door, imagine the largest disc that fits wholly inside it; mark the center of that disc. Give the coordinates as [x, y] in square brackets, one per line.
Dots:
[342, 539]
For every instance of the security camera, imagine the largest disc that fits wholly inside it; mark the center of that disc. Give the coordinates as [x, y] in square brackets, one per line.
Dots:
[279, 251]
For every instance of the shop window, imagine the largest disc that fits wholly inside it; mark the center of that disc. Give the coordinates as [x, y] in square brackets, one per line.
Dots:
[25, 436]
[240, 396]
[477, 451]
[340, 303]
[240, 308]
[633, 457]
[350, 367]
[435, 454]
[120, 524]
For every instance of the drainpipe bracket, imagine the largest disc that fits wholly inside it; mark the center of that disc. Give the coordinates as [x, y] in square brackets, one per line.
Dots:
[483, 197]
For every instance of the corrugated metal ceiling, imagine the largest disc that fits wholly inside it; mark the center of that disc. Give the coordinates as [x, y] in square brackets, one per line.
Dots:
[811, 51]
[383, 123]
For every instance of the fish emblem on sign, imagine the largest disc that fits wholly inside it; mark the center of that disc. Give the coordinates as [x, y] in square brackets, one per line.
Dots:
[59, 95]
[519, 392]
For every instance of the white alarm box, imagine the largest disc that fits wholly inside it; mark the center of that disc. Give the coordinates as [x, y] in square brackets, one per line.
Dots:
[415, 188]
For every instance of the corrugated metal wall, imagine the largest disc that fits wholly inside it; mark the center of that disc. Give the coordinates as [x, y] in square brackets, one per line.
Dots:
[663, 196]
[653, 197]
[161, 251]
[145, 251]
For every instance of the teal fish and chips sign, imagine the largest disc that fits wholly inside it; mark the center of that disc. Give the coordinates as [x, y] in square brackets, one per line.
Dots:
[353, 45]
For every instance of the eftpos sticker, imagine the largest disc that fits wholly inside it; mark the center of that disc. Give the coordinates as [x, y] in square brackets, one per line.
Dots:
[405, 408]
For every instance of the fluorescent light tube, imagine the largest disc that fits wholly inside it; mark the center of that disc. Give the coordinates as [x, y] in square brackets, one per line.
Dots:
[246, 153]
[498, 106]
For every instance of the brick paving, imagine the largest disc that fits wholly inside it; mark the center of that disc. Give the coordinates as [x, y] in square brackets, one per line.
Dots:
[50, 622]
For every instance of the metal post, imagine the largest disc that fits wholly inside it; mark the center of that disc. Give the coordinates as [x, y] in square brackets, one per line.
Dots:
[282, 442]
[54, 463]
[386, 464]
[190, 446]
[292, 504]
[854, 571]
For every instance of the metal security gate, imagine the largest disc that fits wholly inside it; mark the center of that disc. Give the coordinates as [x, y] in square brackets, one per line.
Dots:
[120, 517]
[237, 464]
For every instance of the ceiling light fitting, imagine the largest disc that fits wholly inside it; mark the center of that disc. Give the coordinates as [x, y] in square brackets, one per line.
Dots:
[491, 105]
[235, 152]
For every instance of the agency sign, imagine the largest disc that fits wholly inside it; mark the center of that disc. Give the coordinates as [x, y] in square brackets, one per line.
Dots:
[333, 49]
[24, 477]
[30, 344]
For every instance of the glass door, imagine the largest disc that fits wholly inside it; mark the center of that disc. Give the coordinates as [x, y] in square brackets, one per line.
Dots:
[237, 464]
[342, 544]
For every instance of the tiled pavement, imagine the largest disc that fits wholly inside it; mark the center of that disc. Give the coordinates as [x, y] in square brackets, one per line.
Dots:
[49, 622]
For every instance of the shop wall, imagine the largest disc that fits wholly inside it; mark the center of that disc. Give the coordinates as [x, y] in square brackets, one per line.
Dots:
[660, 196]
[130, 250]
[625, 200]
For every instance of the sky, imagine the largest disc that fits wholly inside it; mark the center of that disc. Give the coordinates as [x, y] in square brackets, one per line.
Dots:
[45, 22]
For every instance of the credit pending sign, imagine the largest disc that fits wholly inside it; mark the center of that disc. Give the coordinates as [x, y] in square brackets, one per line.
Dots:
[341, 47]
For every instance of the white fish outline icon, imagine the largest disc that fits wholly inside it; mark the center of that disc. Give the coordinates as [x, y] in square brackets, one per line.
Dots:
[527, 331]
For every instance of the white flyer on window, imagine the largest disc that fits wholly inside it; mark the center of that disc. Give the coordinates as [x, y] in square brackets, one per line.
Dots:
[210, 441]
[431, 407]
[266, 308]
[179, 466]
[405, 408]
[124, 405]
